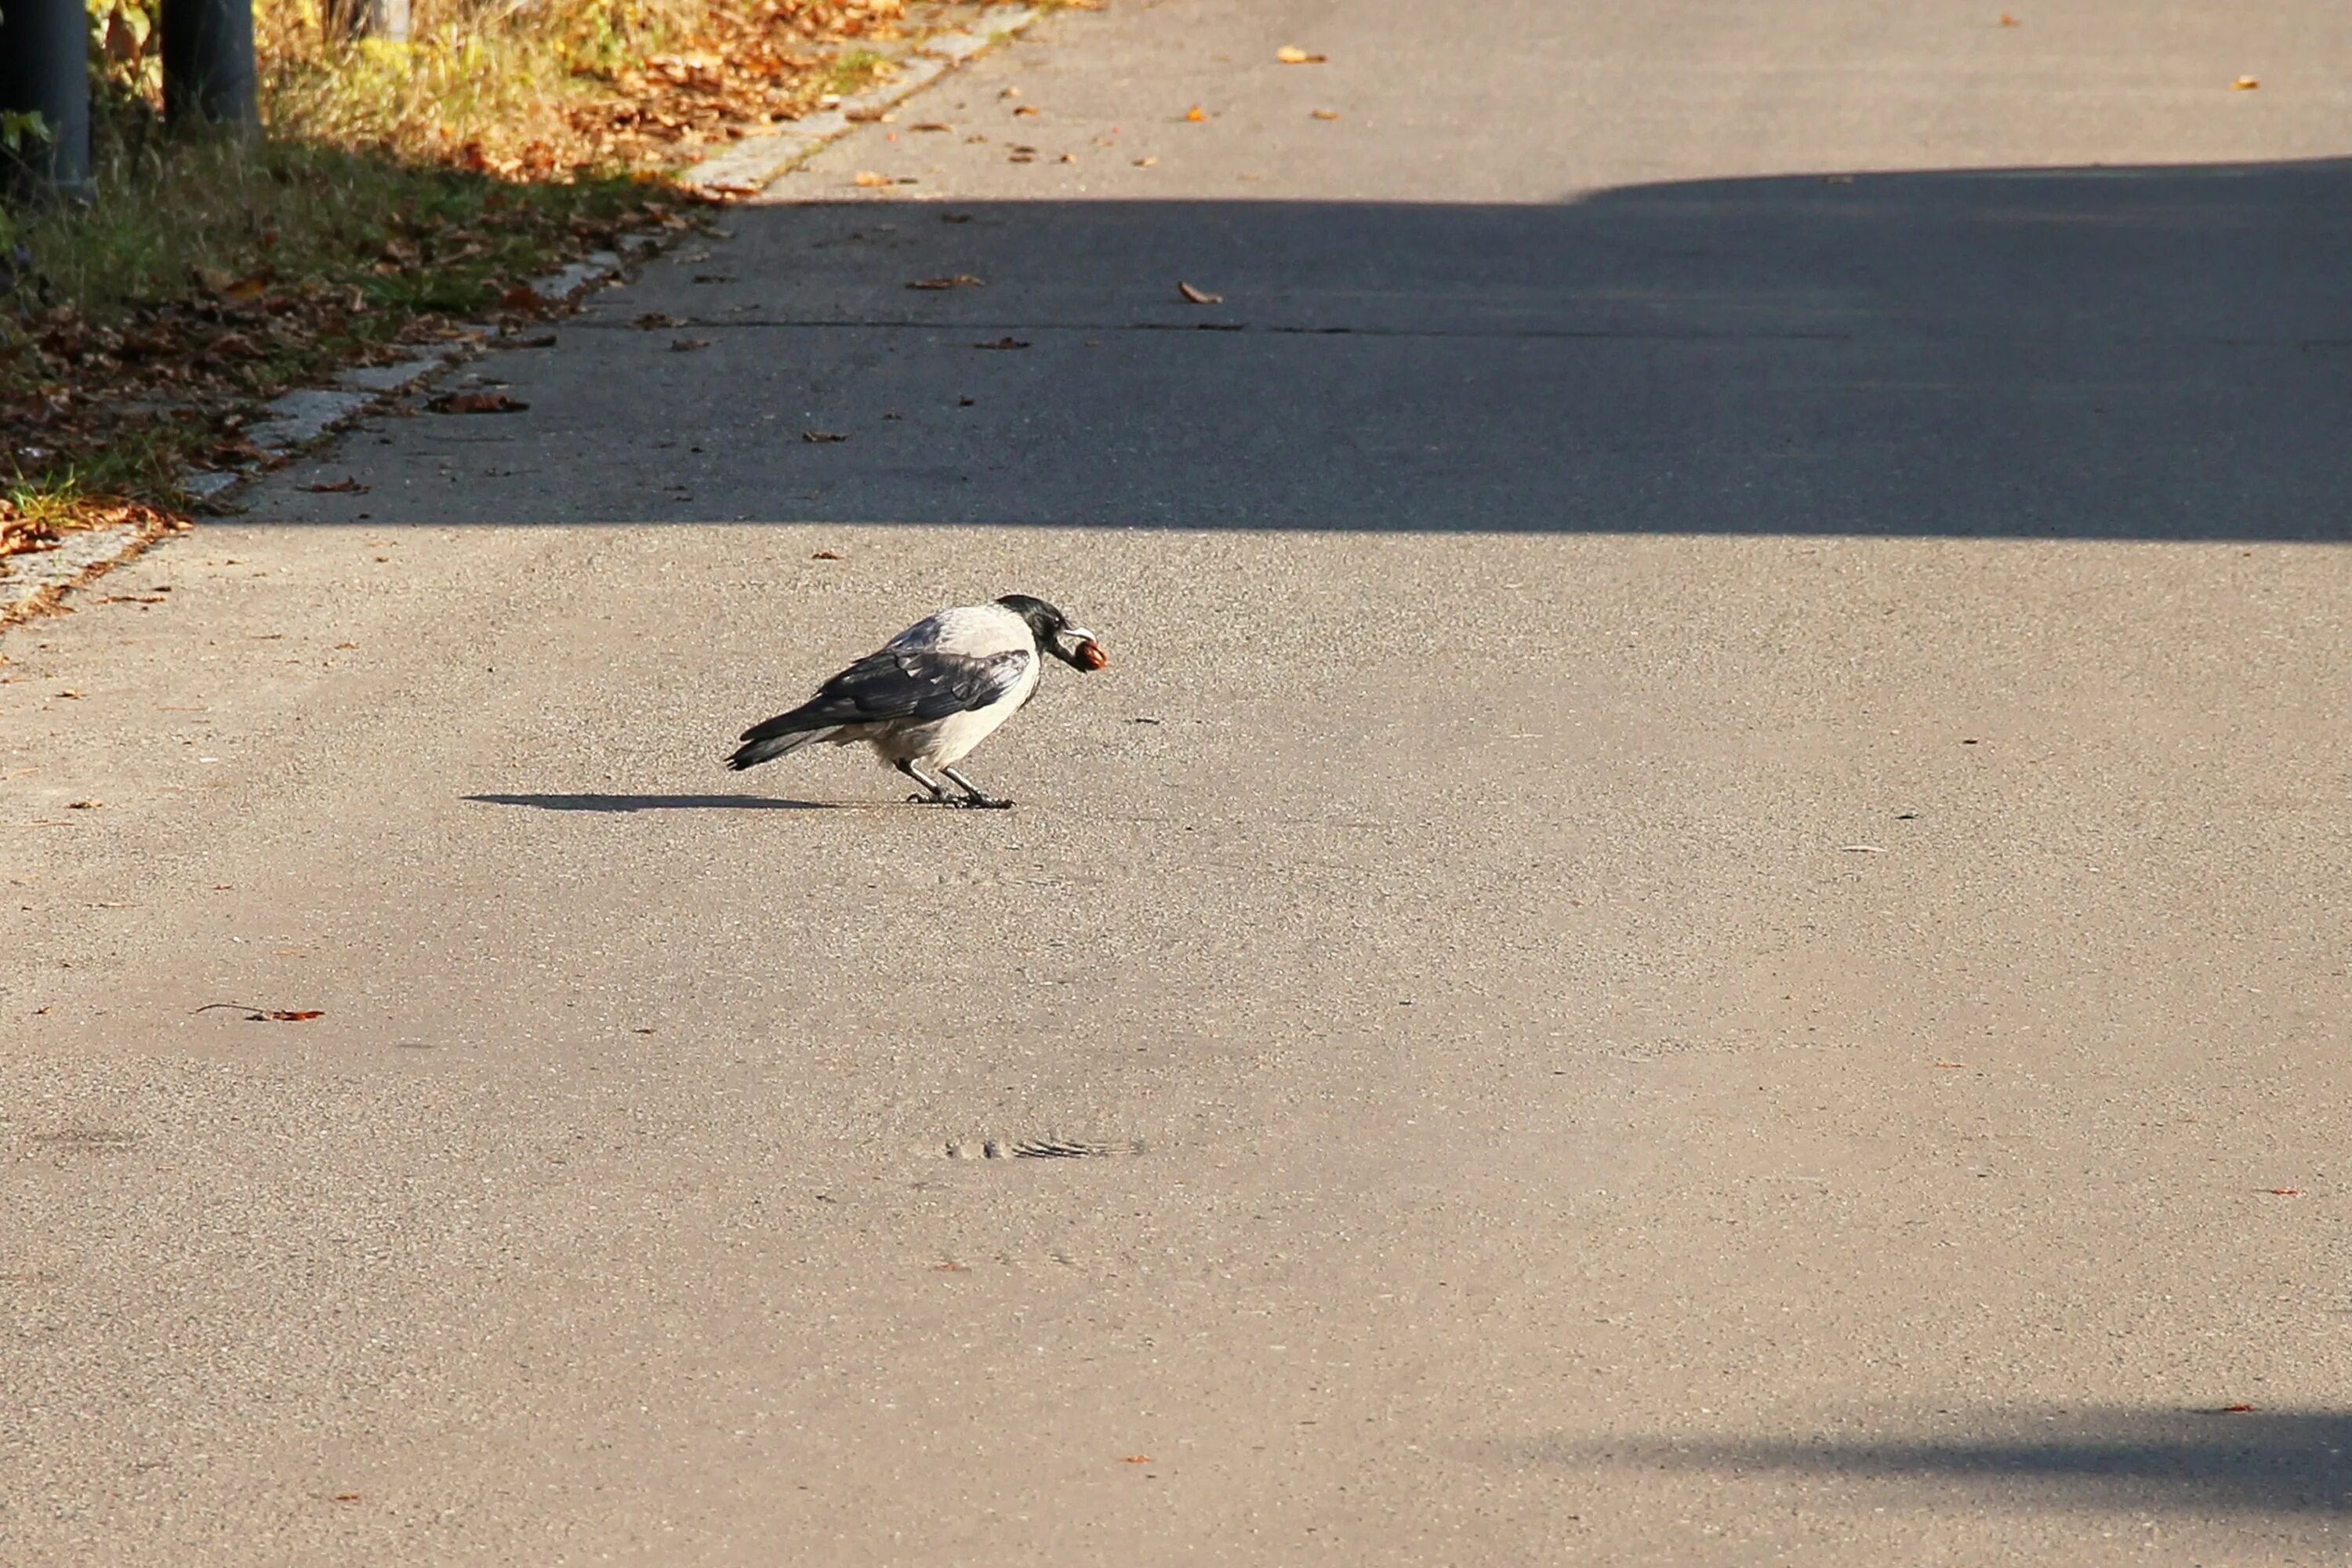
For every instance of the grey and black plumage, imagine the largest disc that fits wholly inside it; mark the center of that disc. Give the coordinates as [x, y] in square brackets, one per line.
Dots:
[927, 697]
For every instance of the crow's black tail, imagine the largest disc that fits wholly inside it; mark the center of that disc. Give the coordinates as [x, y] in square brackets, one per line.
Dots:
[780, 736]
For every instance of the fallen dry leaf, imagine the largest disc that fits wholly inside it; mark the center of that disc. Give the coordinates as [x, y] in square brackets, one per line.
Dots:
[253, 1015]
[1323, 114]
[950, 1269]
[477, 402]
[1198, 296]
[820, 437]
[70, 691]
[2245, 84]
[2286, 1191]
[1148, 162]
[654, 320]
[688, 345]
[1002, 344]
[931, 125]
[828, 555]
[2235, 1409]
[959, 280]
[868, 177]
[1137, 1459]
[347, 485]
[84, 804]
[1027, 109]
[1292, 55]
[1196, 112]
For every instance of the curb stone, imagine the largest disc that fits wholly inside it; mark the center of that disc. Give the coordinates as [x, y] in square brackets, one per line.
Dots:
[32, 584]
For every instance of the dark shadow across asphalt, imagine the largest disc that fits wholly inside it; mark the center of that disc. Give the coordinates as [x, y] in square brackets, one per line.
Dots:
[2142, 353]
[2151, 1461]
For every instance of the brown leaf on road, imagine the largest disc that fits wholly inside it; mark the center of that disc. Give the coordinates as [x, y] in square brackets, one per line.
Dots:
[958, 280]
[1323, 113]
[931, 125]
[477, 402]
[84, 804]
[828, 555]
[524, 299]
[253, 1015]
[1027, 109]
[2286, 1191]
[1198, 296]
[1292, 55]
[1146, 162]
[347, 485]
[1002, 344]
[2245, 84]
[688, 345]
[869, 178]
[653, 320]
[820, 437]
[1137, 1459]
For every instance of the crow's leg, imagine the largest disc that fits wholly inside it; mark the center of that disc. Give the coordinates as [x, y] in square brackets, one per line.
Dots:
[938, 795]
[974, 794]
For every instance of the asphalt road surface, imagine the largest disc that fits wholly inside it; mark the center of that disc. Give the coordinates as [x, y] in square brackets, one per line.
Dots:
[1701, 919]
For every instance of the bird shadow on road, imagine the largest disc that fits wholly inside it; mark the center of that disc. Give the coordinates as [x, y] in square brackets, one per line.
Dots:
[2155, 353]
[621, 804]
[2146, 1460]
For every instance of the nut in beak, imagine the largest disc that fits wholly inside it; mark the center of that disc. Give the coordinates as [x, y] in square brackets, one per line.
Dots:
[1091, 655]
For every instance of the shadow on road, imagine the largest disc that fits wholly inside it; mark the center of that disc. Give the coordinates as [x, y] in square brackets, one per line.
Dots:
[2158, 354]
[616, 804]
[2148, 1460]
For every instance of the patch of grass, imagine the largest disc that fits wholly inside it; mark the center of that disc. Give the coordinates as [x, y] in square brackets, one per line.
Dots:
[207, 277]
[855, 69]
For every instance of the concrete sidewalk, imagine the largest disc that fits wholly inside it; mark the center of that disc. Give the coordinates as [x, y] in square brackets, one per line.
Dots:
[1700, 921]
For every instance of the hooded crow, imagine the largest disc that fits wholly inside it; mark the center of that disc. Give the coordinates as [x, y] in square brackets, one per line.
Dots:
[927, 697]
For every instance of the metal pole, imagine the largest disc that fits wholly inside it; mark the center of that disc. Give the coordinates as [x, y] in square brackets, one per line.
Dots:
[208, 63]
[45, 70]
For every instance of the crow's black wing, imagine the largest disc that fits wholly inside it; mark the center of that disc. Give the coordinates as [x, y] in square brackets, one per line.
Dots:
[917, 683]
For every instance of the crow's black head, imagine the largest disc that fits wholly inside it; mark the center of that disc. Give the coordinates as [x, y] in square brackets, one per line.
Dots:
[1056, 633]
